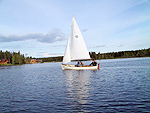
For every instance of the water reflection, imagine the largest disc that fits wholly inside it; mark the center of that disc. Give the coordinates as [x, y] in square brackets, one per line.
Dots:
[78, 86]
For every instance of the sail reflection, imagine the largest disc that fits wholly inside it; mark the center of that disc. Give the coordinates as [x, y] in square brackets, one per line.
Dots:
[78, 85]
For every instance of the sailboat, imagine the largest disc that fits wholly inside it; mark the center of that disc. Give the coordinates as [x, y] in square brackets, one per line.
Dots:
[76, 51]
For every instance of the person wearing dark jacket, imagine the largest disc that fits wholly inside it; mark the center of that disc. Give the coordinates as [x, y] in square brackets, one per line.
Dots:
[78, 64]
[94, 63]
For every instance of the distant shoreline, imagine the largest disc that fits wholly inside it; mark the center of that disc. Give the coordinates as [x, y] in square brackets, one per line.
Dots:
[110, 55]
[1, 65]
[9, 58]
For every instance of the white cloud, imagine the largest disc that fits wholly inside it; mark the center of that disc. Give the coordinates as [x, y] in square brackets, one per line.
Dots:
[45, 54]
[50, 37]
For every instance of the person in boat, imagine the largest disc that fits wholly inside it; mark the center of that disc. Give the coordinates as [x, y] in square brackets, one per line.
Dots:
[81, 63]
[94, 63]
[78, 64]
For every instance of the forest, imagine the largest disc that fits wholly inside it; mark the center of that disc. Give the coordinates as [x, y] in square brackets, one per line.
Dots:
[16, 58]
[121, 54]
[111, 55]
[13, 58]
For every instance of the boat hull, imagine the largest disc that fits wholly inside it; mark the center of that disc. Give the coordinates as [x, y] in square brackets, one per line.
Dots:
[72, 67]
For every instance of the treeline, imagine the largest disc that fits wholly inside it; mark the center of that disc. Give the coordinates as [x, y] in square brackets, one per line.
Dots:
[111, 55]
[121, 54]
[17, 58]
[51, 59]
[13, 58]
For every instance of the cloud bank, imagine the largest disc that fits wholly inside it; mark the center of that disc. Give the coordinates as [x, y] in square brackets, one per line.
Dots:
[50, 37]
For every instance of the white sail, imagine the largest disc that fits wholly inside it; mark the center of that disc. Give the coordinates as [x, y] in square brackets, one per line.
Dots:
[78, 48]
[66, 58]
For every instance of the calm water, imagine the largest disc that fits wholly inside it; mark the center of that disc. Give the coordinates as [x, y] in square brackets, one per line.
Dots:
[121, 85]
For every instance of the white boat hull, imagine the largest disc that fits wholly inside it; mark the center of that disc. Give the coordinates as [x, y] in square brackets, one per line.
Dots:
[72, 67]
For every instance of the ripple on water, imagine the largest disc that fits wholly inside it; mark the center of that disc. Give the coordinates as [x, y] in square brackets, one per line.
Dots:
[121, 85]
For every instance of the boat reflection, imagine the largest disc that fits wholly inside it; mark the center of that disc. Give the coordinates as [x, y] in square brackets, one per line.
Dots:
[78, 85]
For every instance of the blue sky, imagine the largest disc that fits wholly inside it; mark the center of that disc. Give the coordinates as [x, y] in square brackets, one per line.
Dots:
[40, 28]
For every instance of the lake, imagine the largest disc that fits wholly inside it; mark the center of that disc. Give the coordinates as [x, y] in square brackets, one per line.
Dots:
[121, 85]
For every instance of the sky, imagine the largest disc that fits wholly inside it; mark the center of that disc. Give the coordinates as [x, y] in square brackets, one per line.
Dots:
[40, 28]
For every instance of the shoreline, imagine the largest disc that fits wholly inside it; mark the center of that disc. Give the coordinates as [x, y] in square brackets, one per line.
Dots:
[1, 65]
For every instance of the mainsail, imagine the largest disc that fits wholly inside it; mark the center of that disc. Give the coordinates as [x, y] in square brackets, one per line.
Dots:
[78, 49]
